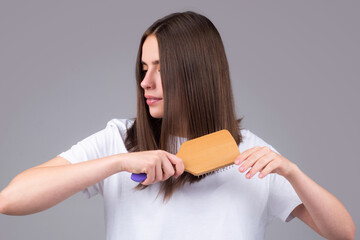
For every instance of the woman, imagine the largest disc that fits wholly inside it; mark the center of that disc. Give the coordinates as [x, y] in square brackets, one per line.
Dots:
[191, 96]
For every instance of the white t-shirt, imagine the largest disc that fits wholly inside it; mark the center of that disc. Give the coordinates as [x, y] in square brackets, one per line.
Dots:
[224, 205]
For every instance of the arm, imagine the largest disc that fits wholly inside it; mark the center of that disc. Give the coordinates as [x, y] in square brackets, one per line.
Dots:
[321, 210]
[301, 213]
[320, 207]
[44, 186]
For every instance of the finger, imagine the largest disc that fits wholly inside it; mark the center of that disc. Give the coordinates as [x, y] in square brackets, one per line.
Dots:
[150, 174]
[159, 174]
[250, 161]
[168, 169]
[269, 168]
[242, 157]
[259, 165]
[178, 163]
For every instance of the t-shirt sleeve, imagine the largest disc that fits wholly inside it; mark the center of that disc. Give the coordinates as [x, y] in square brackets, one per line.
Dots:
[282, 197]
[98, 145]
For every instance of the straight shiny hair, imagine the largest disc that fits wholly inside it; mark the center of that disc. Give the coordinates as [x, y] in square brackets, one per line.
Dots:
[197, 90]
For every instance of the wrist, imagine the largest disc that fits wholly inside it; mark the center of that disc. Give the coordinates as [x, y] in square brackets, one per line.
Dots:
[292, 172]
[119, 162]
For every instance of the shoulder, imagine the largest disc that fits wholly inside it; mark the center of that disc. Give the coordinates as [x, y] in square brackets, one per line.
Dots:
[250, 140]
[119, 126]
[120, 123]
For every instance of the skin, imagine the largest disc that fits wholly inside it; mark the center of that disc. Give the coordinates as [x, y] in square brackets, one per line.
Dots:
[152, 80]
[44, 186]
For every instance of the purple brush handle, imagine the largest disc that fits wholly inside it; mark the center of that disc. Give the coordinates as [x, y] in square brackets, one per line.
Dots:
[138, 177]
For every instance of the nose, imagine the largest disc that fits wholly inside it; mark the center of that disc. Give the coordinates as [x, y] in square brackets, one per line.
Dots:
[148, 81]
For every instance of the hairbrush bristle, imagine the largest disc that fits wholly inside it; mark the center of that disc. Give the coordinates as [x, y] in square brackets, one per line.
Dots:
[216, 171]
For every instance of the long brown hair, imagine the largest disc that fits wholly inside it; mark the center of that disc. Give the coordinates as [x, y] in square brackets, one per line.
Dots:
[196, 85]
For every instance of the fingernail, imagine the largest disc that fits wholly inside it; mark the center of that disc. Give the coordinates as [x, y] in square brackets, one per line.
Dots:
[248, 175]
[242, 169]
[260, 175]
[237, 162]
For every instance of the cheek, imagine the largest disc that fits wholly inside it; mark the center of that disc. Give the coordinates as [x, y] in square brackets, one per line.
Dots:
[160, 85]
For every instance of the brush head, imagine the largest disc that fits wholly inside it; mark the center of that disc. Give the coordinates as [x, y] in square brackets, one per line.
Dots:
[209, 153]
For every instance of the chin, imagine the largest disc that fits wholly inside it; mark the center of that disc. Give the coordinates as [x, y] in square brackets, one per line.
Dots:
[156, 115]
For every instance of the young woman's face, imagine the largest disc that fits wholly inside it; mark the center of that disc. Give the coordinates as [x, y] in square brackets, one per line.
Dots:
[151, 83]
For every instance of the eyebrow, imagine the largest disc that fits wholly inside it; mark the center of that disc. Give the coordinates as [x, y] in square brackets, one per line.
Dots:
[156, 62]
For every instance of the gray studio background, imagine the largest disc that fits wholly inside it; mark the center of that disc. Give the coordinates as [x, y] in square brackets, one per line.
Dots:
[67, 68]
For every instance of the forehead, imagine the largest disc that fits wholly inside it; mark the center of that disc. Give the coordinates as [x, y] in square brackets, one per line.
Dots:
[150, 50]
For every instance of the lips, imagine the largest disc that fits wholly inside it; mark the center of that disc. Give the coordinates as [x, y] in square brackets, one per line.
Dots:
[151, 100]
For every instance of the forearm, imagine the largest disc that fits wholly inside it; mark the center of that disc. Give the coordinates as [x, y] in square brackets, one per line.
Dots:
[327, 212]
[39, 188]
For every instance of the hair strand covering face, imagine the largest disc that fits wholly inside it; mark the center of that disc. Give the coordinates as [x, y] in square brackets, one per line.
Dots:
[197, 90]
